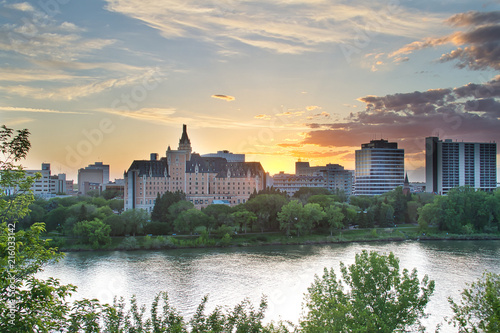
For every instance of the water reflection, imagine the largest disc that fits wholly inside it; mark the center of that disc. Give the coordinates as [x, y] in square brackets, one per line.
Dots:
[283, 273]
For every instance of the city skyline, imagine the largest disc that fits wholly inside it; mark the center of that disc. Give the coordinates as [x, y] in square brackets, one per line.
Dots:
[113, 80]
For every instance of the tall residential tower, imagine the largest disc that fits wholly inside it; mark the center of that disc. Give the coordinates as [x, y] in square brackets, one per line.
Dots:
[450, 164]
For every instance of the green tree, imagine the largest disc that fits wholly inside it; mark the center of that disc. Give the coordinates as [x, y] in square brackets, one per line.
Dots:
[116, 224]
[116, 205]
[266, 207]
[243, 218]
[373, 295]
[220, 213]
[135, 220]
[289, 215]
[26, 303]
[304, 193]
[479, 307]
[162, 204]
[189, 220]
[56, 218]
[95, 232]
[176, 208]
[334, 217]
[323, 200]
[311, 214]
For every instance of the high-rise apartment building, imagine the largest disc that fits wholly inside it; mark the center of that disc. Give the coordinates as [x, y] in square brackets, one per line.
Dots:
[380, 167]
[203, 179]
[450, 164]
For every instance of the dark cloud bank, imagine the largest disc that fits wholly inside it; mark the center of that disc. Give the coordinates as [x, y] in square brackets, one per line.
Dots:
[470, 112]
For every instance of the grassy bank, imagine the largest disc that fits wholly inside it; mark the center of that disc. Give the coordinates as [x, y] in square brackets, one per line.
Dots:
[400, 233]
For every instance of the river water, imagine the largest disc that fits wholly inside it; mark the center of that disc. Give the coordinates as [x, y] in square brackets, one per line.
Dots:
[282, 273]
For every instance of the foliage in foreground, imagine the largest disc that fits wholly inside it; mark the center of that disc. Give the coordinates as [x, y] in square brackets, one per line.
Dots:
[479, 307]
[378, 297]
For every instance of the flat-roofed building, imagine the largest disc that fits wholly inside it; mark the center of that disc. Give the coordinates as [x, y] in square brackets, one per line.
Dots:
[379, 167]
[449, 164]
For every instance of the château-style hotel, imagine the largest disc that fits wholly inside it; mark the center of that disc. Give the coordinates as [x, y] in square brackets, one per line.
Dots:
[203, 179]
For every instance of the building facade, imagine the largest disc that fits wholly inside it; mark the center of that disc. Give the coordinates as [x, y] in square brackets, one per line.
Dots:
[92, 177]
[292, 183]
[450, 164]
[47, 186]
[379, 167]
[335, 177]
[202, 179]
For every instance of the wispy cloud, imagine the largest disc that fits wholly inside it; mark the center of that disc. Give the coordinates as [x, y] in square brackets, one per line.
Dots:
[31, 75]
[16, 121]
[172, 116]
[291, 27]
[21, 109]
[263, 116]
[226, 98]
[72, 92]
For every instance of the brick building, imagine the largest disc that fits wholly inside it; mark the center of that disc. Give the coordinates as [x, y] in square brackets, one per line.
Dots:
[202, 179]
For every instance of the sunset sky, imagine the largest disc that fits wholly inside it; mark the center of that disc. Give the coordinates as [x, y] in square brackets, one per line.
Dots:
[114, 80]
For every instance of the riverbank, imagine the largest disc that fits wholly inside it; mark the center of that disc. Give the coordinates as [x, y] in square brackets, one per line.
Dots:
[131, 243]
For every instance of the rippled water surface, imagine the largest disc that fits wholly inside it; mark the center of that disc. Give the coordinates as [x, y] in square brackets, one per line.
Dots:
[282, 273]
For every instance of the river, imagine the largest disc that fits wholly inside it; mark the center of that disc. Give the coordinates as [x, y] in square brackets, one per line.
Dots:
[282, 273]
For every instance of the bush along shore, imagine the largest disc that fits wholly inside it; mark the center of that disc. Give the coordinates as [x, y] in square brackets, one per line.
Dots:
[150, 242]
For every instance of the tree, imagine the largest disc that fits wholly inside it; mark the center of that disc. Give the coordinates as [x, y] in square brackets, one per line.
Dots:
[266, 207]
[189, 220]
[312, 213]
[95, 232]
[289, 215]
[220, 213]
[116, 224]
[160, 209]
[244, 218]
[179, 207]
[334, 218]
[26, 303]
[479, 307]
[372, 296]
[304, 193]
[135, 219]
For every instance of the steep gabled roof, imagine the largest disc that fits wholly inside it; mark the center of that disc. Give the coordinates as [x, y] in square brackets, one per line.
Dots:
[205, 164]
[150, 168]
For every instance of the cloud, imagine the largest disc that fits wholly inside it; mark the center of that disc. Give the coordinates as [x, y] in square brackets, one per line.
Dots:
[172, 116]
[21, 6]
[469, 112]
[73, 92]
[227, 98]
[21, 109]
[31, 75]
[312, 107]
[290, 113]
[284, 27]
[10, 122]
[474, 18]
[39, 36]
[478, 48]
[263, 116]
